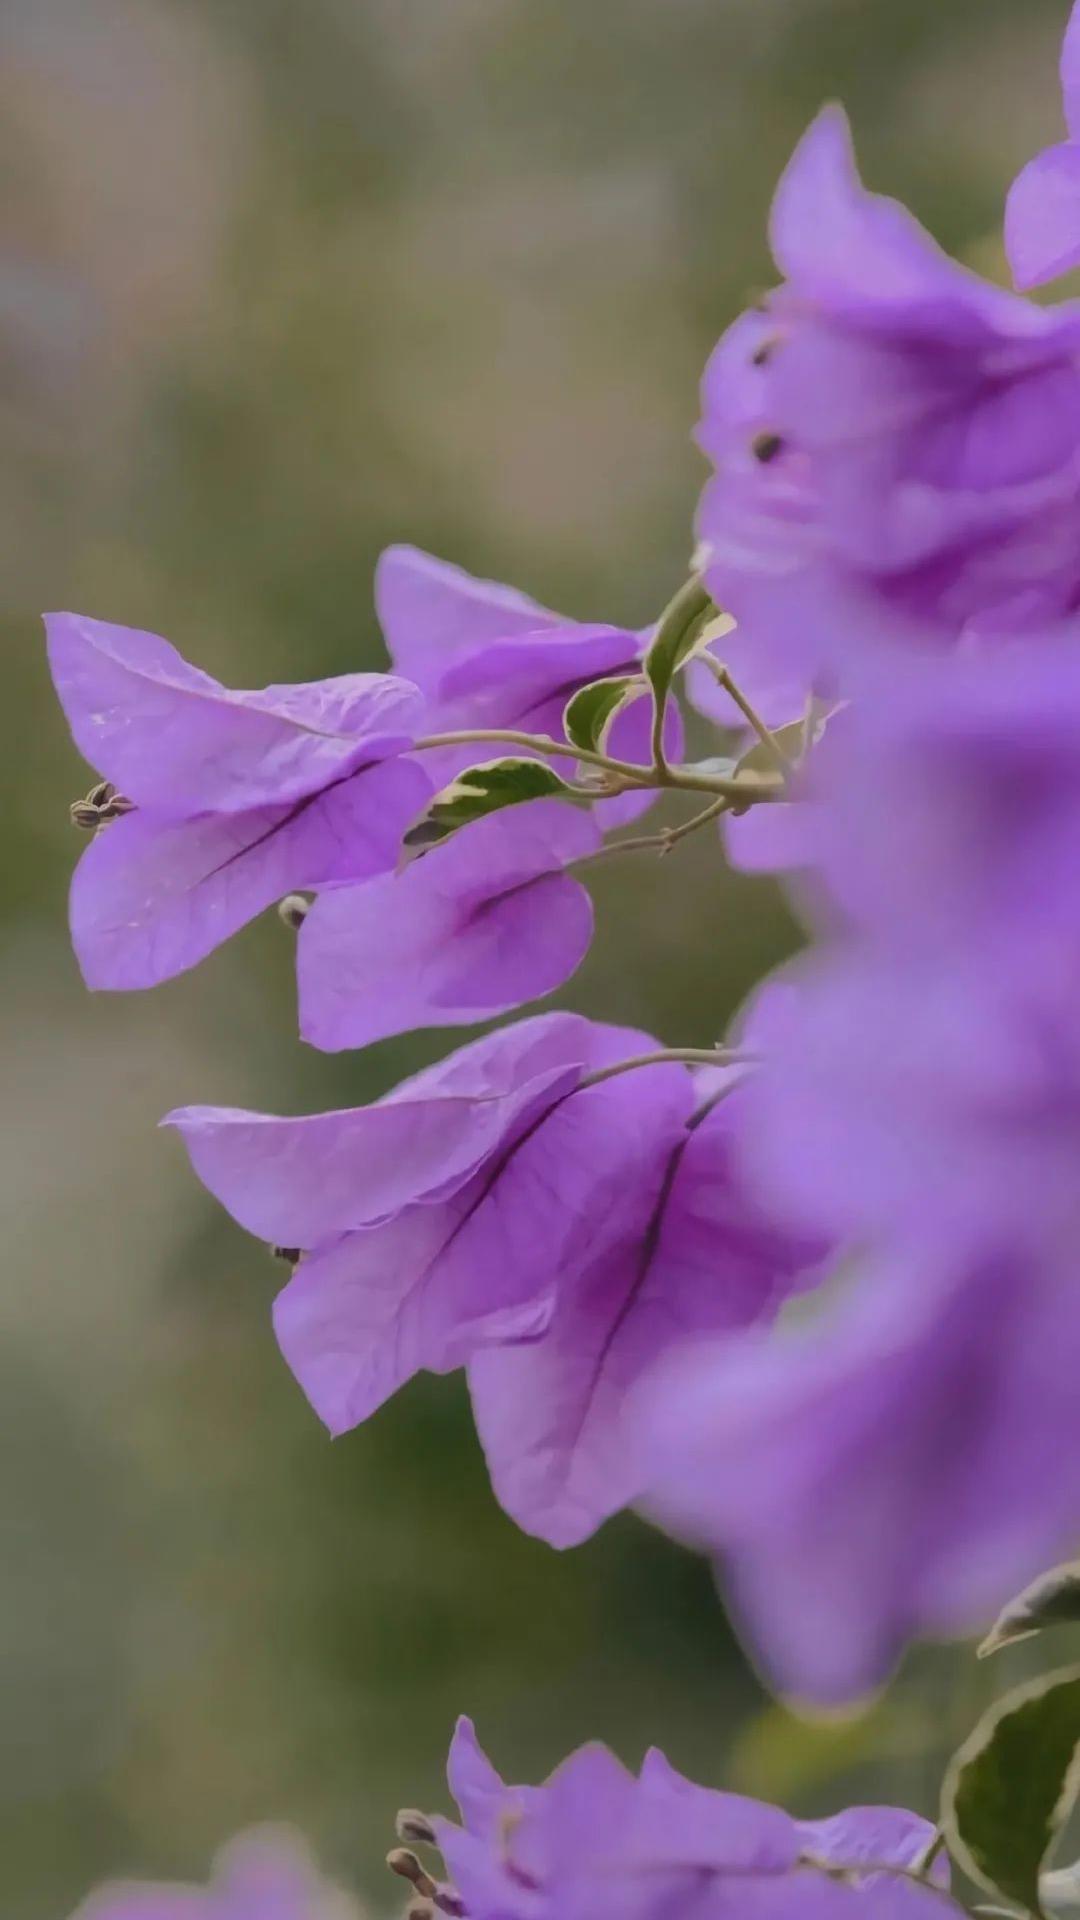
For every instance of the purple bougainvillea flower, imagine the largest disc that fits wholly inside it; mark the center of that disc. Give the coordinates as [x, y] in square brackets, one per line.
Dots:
[265, 1875]
[304, 1182]
[690, 1256]
[904, 1463]
[479, 926]
[896, 442]
[486, 656]
[1042, 217]
[897, 1469]
[946, 809]
[236, 798]
[918, 1101]
[595, 1838]
[502, 1212]
[774, 839]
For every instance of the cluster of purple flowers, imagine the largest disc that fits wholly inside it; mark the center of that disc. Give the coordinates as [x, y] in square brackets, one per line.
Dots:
[902, 1463]
[237, 800]
[528, 1209]
[605, 1232]
[592, 1839]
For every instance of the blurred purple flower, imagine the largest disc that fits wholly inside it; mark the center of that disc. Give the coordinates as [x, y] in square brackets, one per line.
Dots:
[921, 1070]
[236, 798]
[896, 443]
[597, 1839]
[904, 1464]
[895, 1470]
[264, 1875]
[917, 1100]
[943, 808]
[1042, 215]
[501, 1212]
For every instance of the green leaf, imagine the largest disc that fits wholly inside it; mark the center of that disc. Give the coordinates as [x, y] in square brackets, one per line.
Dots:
[588, 716]
[1053, 1600]
[716, 628]
[1009, 1789]
[681, 632]
[476, 793]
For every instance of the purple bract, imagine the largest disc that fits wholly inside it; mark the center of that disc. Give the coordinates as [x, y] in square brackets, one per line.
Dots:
[1042, 216]
[596, 1838]
[502, 1211]
[896, 442]
[237, 798]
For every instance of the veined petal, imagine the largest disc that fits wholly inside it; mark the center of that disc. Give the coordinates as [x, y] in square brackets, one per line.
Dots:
[433, 613]
[360, 1318]
[518, 676]
[172, 738]
[152, 895]
[690, 1256]
[436, 1284]
[478, 927]
[304, 1182]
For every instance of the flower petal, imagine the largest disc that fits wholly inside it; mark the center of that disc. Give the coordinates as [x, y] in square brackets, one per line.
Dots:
[865, 257]
[434, 1285]
[153, 895]
[433, 613]
[1042, 217]
[360, 1318]
[479, 926]
[303, 1182]
[171, 737]
[693, 1258]
[478, 1790]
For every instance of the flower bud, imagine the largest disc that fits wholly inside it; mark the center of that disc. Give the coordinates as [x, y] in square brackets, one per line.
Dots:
[414, 1826]
[405, 1863]
[293, 910]
[101, 804]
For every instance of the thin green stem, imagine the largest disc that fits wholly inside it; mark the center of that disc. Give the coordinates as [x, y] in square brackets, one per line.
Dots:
[659, 843]
[750, 714]
[539, 743]
[689, 1056]
[747, 790]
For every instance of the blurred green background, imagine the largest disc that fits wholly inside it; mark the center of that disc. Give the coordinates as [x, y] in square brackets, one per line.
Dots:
[281, 281]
